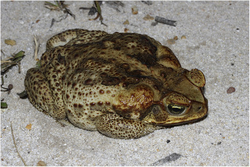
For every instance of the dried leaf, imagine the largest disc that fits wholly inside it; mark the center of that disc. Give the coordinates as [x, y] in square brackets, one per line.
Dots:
[41, 163]
[10, 42]
[126, 22]
[134, 10]
[148, 17]
[29, 126]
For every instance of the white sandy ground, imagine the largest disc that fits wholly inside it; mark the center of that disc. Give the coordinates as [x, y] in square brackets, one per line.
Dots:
[217, 43]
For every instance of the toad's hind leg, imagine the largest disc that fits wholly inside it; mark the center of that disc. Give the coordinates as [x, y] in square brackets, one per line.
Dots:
[114, 126]
[40, 95]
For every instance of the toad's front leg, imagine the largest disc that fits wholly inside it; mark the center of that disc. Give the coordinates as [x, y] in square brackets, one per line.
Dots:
[114, 126]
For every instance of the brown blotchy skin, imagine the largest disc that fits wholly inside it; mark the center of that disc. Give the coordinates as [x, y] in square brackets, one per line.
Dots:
[124, 85]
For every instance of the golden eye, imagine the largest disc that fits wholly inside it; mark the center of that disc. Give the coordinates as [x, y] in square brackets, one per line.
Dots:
[175, 109]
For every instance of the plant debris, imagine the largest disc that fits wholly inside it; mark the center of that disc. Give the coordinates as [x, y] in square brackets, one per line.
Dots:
[165, 21]
[134, 10]
[97, 6]
[4, 105]
[163, 161]
[36, 48]
[56, 6]
[92, 10]
[23, 95]
[59, 6]
[12, 61]
[5, 66]
[148, 2]
[10, 87]
[125, 22]
[115, 5]
[148, 17]
[10, 42]
[28, 126]
[14, 141]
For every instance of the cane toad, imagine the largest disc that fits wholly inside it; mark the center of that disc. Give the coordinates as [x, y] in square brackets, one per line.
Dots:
[124, 85]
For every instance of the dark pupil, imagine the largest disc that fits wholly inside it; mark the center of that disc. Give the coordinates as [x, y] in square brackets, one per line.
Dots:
[175, 109]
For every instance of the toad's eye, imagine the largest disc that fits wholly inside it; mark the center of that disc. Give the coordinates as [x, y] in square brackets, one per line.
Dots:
[175, 109]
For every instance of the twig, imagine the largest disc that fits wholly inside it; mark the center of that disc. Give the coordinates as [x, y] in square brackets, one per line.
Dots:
[59, 6]
[99, 12]
[36, 48]
[14, 141]
[165, 21]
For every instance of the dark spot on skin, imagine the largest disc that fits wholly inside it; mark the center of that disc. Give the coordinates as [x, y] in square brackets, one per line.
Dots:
[125, 66]
[101, 91]
[100, 103]
[156, 87]
[76, 55]
[61, 59]
[112, 60]
[88, 82]
[103, 75]
[108, 81]
[61, 38]
[107, 103]
[92, 104]
[80, 106]
[163, 74]
[75, 105]
[74, 84]
[135, 73]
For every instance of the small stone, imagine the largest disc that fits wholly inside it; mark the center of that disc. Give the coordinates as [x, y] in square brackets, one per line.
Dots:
[183, 37]
[230, 90]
